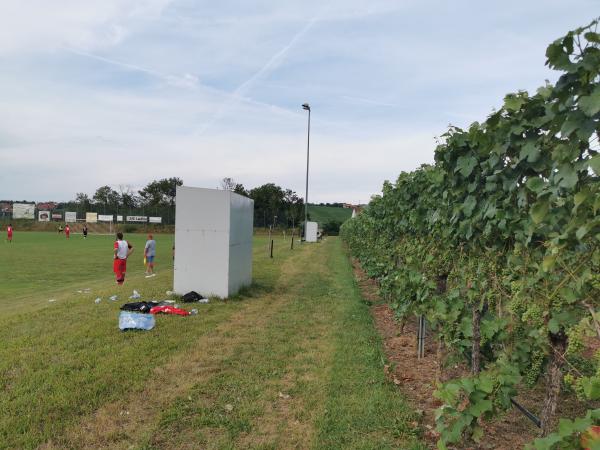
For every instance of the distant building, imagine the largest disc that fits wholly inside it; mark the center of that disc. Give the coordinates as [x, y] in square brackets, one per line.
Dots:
[46, 206]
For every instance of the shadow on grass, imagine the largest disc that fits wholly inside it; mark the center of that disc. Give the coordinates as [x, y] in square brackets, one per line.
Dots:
[256, 289]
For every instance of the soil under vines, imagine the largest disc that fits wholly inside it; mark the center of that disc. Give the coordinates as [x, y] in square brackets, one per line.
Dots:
[416, 379]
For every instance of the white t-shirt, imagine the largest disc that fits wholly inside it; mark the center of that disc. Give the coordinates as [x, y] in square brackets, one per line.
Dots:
[122, 247]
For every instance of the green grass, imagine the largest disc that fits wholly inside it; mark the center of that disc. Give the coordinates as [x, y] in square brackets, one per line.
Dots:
[40, 265]
[294, 362]
[324, 214]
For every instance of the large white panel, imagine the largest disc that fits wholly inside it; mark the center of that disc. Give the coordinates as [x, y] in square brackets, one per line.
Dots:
[213, 241]
[311, 231]
[240, 242]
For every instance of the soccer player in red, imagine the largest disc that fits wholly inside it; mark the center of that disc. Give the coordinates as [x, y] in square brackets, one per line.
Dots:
[67, 231]
[9, 232]
[122, 250]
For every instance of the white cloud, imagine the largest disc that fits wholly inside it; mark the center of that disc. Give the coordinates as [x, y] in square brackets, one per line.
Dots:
[39, 25]
[125, 91]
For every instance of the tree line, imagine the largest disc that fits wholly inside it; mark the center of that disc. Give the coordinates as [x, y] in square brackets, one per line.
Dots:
[273, 205]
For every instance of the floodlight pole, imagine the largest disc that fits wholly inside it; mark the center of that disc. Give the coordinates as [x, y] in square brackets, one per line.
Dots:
[306, 106]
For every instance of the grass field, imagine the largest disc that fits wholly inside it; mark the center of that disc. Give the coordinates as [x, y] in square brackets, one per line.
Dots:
[324, 214]
[293, 363]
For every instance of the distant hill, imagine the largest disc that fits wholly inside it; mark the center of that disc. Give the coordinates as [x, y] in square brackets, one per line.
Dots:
[324, 214]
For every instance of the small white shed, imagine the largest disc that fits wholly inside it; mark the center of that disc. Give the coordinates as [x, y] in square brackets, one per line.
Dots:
[311, 232]
[213, 241]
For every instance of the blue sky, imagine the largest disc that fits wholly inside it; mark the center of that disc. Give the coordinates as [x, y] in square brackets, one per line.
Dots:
[122, 92]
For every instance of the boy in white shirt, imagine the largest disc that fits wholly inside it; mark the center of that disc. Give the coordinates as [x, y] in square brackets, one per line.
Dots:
[122, 250]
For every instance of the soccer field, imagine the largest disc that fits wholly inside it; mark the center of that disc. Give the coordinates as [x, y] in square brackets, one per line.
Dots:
[37, 267]
[293, 363]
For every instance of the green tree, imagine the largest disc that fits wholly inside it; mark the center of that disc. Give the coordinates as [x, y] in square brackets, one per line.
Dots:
[161, 192]
[268, 202]
[107, 197]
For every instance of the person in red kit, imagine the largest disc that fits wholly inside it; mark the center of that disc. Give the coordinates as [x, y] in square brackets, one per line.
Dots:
[67, 231]
[122, 250]
[9, 232]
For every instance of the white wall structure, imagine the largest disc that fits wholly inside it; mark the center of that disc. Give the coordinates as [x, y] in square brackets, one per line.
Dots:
[213, 241]
[311, 232]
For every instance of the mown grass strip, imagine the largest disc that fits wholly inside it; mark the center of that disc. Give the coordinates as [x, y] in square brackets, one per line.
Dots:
[310, 377]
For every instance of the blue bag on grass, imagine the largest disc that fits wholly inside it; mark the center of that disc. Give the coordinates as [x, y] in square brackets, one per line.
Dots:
[138, 321]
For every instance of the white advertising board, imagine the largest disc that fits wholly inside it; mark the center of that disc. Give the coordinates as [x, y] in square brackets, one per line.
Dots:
[105, 217]
[70, 216]
[91, 217]
[56, 216]
[23, 211]
[119, 218]
[44, 216]
[155, 219]
[137, 219]
[213, 241]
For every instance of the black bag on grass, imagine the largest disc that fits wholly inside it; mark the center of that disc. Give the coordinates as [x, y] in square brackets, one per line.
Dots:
[143, 307]
[191, 296]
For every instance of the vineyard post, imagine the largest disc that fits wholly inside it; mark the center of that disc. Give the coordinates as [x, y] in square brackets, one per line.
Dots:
[421, 338]
[558, 347]
[476, 345]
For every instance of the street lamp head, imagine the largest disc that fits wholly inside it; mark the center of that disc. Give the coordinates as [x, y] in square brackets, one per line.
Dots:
[306, 106]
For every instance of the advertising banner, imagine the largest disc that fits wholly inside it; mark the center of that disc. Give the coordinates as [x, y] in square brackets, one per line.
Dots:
[70, 216]
[155, 219]
[44, 216]
[56, 216]
[137, 219]
[105, 218]
[119, 218]
[91, 217]
[23, 211]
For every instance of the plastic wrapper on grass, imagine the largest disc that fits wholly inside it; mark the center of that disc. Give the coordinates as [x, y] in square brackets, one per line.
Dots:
[135, 321]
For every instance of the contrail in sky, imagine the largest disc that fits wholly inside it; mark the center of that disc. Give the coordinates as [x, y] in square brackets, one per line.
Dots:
[271, 64]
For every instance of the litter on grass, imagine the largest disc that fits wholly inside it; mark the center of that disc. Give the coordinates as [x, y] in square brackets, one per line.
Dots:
[113, 298]
[98, 300]
[169, 292]
[143, 307]
[136, 321]
[170, 310]
[192, 296]
[135, 295]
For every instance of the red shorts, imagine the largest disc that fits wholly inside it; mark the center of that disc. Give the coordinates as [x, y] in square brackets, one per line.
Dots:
[120, 267]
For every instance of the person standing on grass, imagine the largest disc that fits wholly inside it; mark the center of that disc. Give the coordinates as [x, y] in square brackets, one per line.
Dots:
[85, 231]
[9, 233]
[122, 250]
[67, 231]
[149, 254]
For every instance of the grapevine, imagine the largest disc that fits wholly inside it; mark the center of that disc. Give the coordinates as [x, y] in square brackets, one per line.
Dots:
[498, 245]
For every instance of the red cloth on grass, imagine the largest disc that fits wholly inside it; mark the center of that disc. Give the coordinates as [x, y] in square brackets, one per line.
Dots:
[169, 310]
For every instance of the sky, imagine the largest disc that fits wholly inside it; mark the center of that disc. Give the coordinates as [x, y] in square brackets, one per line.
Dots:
[123, 92]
